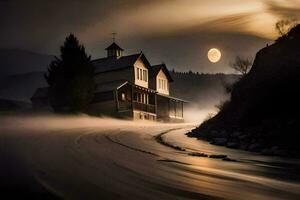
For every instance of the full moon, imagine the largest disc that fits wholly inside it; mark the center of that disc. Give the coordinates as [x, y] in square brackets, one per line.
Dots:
[214, 55]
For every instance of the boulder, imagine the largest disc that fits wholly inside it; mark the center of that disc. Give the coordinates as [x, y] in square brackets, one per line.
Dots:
[244, 146]
[280, 152]
[254, 147]
[236, 134]
[218, 156]
[233, 145]
[266, 152]
[198, 154]
[274, 148]
[243, 137]
[219, 141]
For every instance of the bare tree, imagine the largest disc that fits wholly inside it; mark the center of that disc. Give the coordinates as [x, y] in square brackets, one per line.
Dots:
[242, 65]
[284, 26]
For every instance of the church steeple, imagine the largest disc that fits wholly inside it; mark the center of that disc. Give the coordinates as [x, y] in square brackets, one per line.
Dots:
[114, 50]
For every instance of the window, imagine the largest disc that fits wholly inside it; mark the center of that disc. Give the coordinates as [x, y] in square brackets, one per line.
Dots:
[145, 75]
[162, 84]
[141, 74]
[123, 97]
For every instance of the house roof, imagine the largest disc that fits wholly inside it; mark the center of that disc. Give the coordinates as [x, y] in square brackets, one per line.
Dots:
[41, 93]
[156, 68]
[110, 86]
[114, 46]
[111, 63]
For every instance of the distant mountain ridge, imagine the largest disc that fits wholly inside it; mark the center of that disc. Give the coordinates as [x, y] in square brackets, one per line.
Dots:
[204, 90]
[21, 87]
[18, 61]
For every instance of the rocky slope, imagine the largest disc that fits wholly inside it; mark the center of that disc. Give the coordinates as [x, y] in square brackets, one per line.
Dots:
[263, 113]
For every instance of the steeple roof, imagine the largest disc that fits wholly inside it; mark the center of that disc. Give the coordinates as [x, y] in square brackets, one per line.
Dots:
[114, 46]
[156, 68]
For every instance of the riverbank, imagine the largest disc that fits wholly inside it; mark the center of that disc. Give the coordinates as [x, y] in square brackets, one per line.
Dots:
[247, 141]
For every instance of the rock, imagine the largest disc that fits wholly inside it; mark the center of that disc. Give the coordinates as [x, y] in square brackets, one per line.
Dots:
[254, 147]
[189, 134]
[218, 156]
[219, 141]
[244, 146]
[235, 134]
[229, 159]
[280, 152]
[266, 152]
[198, 154]
[243, 137]
[274, 148]
[233, 145]
[214, 134]
[224, 133]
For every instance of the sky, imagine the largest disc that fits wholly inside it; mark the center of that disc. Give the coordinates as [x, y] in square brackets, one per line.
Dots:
[177, 32]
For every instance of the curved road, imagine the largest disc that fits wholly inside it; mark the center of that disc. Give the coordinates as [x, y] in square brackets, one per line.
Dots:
[122, 160]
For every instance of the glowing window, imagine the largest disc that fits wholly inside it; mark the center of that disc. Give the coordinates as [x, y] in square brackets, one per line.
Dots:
[123, 96]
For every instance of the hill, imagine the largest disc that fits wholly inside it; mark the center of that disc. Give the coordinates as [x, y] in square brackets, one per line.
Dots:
[7, 106]
[203, 90]
[17, 61]
[21, 87]
[263, 113]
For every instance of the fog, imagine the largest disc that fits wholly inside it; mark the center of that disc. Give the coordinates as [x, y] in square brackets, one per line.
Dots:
[196, 115]
[83, 157]
[48, 122]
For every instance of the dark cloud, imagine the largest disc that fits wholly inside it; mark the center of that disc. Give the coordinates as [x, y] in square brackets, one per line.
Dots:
[41, 26]
[34, 24]
[290, 9]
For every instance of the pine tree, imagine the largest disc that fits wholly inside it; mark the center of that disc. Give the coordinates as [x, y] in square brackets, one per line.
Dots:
[70, 78]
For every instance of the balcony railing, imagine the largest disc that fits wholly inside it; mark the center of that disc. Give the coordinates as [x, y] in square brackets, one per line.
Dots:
[144, 107]
[123, 106]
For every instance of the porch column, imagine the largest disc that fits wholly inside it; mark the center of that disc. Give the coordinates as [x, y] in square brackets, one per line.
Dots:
[155, 102]
[117, 100]
[132, 96]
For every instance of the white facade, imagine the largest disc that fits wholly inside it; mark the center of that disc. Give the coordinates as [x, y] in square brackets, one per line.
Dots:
[162, 83]
[141, 75]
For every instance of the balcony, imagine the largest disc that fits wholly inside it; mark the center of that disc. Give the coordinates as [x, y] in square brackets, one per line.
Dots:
[143, 107]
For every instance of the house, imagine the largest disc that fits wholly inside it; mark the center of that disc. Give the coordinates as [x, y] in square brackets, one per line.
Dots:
[40, 100]
[130, 87]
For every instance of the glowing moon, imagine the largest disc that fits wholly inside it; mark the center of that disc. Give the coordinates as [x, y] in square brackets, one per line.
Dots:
[214, 55]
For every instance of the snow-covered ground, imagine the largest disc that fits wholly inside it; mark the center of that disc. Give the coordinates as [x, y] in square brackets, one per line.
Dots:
[92, 158]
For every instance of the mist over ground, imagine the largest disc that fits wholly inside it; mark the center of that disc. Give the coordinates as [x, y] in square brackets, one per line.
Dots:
[82, 157]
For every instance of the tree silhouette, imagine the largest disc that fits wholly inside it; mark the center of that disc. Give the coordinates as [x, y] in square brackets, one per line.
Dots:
[70, 78]
[241, 65]
[284, 26]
